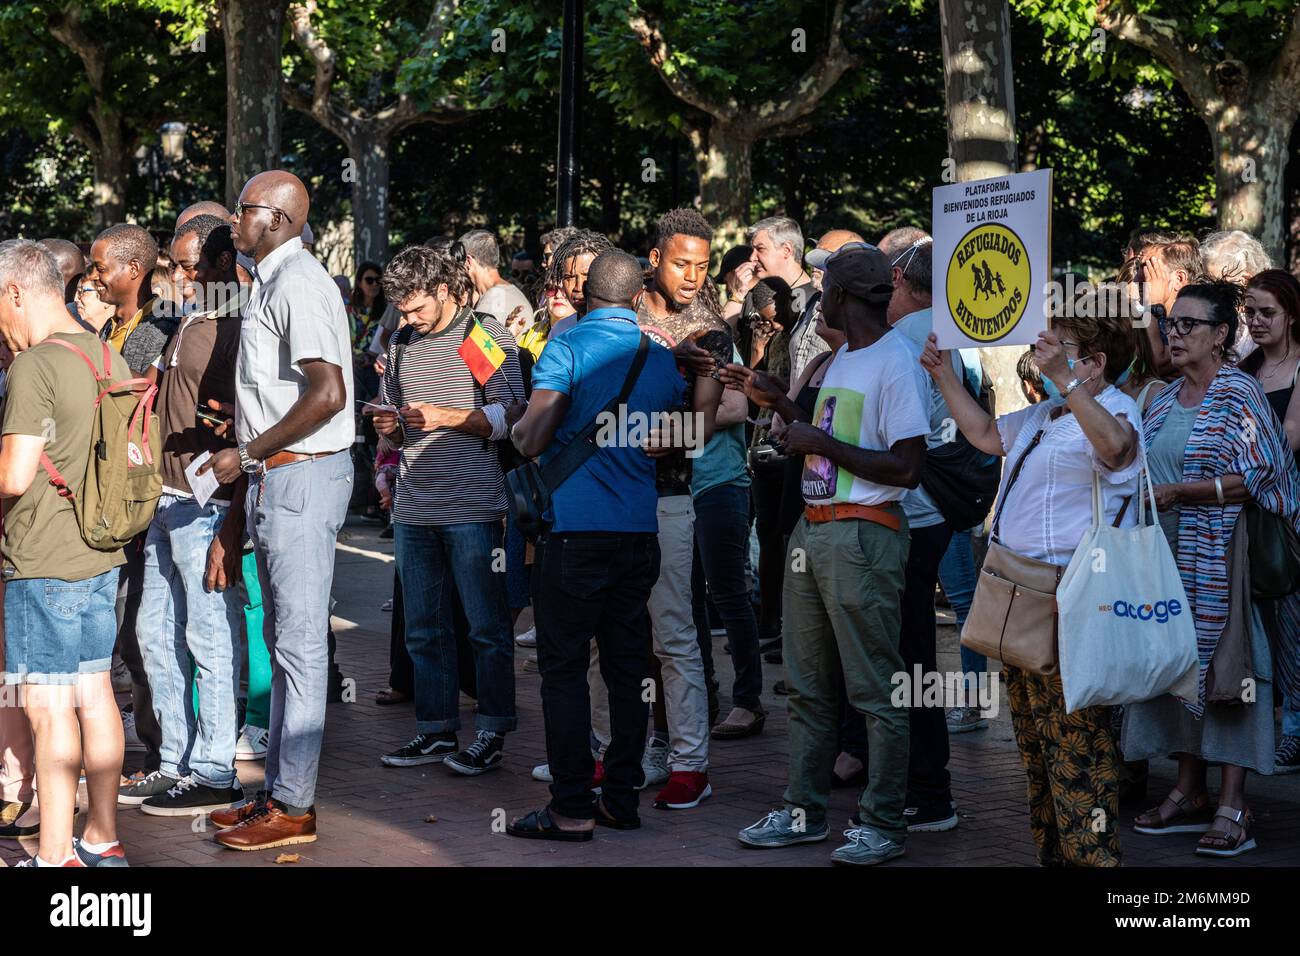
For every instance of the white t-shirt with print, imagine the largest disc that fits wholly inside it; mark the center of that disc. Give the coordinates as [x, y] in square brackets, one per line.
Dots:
[871, 398]
[1050, 507]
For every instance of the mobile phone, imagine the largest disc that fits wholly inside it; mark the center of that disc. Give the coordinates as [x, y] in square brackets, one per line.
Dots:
[209, 415]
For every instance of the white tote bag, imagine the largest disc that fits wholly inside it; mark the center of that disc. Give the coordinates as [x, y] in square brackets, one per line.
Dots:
[1126, 630]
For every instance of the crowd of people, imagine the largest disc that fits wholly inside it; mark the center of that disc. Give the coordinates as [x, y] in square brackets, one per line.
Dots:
[795, 397]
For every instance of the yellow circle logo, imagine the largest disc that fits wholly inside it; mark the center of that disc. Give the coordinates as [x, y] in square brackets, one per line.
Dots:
[988, 282]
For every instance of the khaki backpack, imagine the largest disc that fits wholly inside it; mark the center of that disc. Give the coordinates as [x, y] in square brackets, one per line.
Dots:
[122, 482]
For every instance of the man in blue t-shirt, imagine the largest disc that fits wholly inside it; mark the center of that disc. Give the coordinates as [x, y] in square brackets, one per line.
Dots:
[600, 557]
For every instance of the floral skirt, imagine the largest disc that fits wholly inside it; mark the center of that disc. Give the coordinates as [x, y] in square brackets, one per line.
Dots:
[1073, 773]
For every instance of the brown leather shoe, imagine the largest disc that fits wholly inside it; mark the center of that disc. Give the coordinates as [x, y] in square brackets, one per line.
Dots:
[269, 826]
[221, 819]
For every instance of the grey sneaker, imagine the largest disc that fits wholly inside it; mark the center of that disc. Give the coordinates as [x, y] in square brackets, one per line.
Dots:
[962, 720]
[138, 791]
[781, 828]
[654, 764]
[866, 847]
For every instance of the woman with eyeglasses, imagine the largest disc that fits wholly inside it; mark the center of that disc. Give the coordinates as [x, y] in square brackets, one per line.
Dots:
[92, 311]
[1213, 445]
[1272, 316]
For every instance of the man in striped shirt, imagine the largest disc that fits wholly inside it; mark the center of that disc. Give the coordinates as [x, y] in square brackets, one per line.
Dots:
[449, 505]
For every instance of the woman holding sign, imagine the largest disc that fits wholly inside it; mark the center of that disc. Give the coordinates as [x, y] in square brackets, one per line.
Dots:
[1087, 426]
[1217, 453]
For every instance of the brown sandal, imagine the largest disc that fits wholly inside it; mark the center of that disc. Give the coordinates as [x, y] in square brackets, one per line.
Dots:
[1188, 817]
[1219, 842]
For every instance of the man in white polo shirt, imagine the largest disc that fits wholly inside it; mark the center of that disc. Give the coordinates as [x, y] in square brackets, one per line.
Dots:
[864, 448]
[294, 424]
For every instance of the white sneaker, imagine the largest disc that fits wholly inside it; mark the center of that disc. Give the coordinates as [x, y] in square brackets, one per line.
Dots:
[528, 638]
[542, 772]
[120, 676]
[654, 764]
[252, 743]
[133, 743]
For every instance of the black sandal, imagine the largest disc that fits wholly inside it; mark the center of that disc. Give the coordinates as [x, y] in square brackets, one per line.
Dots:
[606, 819]
[538, 825]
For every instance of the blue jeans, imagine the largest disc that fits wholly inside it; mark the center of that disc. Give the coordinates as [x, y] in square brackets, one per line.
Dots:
[957, 574]
[721, 535]
[57, 630]
[294, 516]
[179, 619]
[432, 559]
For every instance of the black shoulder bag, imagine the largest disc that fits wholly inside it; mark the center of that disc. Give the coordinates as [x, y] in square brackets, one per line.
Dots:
[530, 486]
[961, 479]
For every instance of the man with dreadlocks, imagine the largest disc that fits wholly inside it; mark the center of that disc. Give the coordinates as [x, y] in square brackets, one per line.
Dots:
[680, 310]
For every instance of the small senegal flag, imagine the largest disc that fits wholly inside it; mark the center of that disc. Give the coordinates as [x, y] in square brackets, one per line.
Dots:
[481, 353]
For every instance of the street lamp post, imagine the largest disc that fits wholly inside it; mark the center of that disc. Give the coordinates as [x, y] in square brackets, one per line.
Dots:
[566, 165]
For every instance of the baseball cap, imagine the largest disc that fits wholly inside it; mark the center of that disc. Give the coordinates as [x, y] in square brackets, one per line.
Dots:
[862, 270]
[816, 259]
[734, 257]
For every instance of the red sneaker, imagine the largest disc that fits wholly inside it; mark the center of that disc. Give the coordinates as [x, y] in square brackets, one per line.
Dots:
[598, 778]
[686, 788]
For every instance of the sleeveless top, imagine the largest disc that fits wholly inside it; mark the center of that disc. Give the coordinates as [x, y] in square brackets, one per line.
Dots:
[1280, 399]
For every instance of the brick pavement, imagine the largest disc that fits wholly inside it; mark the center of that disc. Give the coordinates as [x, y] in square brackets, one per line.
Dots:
[372, 815]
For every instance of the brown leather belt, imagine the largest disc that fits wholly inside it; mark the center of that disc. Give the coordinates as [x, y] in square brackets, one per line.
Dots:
[289, 457]
[886, 515]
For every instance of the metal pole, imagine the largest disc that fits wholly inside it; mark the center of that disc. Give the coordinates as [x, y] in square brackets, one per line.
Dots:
[566, 163]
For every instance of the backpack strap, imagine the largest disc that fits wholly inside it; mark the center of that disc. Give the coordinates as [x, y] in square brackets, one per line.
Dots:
[56, 477]
[108, 359]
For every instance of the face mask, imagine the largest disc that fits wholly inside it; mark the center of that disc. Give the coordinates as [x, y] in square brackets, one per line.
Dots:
[1050, 387]
[1124, 375]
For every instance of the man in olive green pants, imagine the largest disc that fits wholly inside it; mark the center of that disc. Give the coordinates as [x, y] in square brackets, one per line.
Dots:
[841, 611]
[863, 448]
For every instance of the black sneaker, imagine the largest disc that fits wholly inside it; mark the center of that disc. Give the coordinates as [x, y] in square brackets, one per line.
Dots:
[482, 755]
[138, 791]
[425, 748]
[1287, 758]
[932, 819]
[189, 797]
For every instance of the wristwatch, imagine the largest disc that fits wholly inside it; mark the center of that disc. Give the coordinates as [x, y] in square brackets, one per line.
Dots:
[1074, 383]
[247, 464]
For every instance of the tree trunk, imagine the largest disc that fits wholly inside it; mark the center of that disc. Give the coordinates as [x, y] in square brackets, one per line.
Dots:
[982, 130]
[111, 161]
[1250, 158]
[254, 34]
[368, 145]
[723, 163]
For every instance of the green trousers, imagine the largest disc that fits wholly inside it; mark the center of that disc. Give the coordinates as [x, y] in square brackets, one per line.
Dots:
[259, 658]
[841, 600]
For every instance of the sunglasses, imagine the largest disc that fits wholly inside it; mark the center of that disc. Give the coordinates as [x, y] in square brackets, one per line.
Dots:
[370, 280]
[241, 206]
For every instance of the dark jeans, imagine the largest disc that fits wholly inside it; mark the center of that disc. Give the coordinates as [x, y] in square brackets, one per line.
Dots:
[130, 589]
[721, 539]
[928, 781]
[769, 479]
[401, 672]
[436, 562]
[598, 584]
